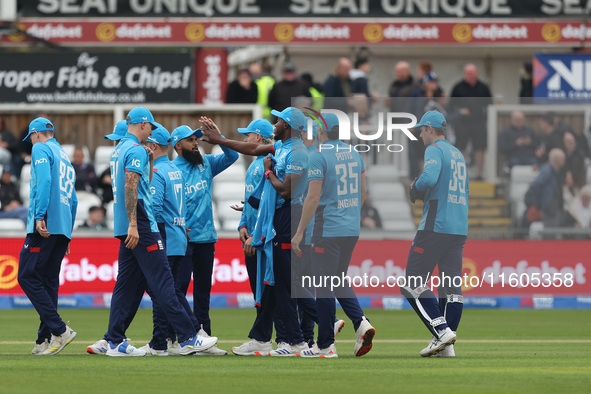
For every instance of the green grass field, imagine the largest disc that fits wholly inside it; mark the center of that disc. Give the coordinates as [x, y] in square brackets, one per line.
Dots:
[497, 351]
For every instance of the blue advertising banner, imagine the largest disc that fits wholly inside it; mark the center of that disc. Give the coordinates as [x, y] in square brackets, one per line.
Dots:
[562, 78]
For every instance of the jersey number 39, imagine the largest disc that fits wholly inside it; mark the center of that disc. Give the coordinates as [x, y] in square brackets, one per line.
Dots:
[458, 177]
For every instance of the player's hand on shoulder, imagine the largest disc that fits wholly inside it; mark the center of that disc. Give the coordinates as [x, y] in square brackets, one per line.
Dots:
[150, 152]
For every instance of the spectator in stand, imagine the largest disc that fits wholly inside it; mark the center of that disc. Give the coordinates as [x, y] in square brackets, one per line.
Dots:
[96, 218]
[580, 208]
[575, 159]
[264, 81]
[85, 175]
[370, 217]
[358, 77]
[11, 205]
[315, 91]
[416, 105]
[544, 198]
[526, 91]
[518, 142]
[287, 89]
[473, 95]
[243, 90]
[423, 69]
[551, 137]
[9, 146]
[402, 87]
[338, 85]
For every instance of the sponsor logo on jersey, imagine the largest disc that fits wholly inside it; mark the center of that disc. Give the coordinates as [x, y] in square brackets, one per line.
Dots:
[41, 161]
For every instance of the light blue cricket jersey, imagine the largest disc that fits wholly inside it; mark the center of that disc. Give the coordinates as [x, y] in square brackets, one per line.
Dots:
[53, 197]
[444, 182]
[310, 227]
[129, 155]
[291, 157]
[339, 210]
[167, 189]
[198, 181]
[254, 174]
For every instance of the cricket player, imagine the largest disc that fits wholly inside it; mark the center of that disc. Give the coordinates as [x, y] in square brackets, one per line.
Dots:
[276, 302]
[52, 212]
[259, 131]
[141, 253]
[198, 173]
[101, 346]
[336, 192]
[443, 186]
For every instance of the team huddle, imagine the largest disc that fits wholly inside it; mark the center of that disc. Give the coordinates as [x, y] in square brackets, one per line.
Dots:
[293, 223]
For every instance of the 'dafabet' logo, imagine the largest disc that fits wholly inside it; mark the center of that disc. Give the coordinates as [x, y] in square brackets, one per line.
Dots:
[18, 37]
[462, 33]
[8, 272]
[468, 269]
[284, 32]
[105, 32]
[373, 32]
[195, 32]
[551, 32]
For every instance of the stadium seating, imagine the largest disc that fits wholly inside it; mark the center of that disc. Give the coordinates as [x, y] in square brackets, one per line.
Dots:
[102, 157]
[85, 201]
[12, 225]
[25, 183]
[520, 179]
[70, 148]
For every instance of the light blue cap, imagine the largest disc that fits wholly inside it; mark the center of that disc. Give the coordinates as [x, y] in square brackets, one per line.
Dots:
[258, 126]
[160, 136]
[139, 115]
[330, 121]
[118, 132]
[38, 124]
[183, 132]
[434, 119]
[293, 116]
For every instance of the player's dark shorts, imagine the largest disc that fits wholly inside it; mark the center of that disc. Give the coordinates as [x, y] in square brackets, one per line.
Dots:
[430, 249]
[474, 132]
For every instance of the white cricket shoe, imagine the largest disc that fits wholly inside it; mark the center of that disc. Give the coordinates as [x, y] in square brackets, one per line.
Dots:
[212, 351]
[58, 342]
[338, 327]
[283, 350]
[363, 338]
[196, 344]
[40, 347]
[124, 349]
[153, 352]
[99, 347]
[174, 349]
[438, 344]
[253, 348]
[447, 352]
[329, 352]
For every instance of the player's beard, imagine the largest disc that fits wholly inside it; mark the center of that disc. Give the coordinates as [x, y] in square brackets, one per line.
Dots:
[192, 157]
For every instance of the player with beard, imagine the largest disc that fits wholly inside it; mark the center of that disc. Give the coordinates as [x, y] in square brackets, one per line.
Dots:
[198, 172]
[276, 302]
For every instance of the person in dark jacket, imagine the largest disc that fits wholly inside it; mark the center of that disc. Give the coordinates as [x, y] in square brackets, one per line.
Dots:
[287, 89]
[243, 90]
[518, 142]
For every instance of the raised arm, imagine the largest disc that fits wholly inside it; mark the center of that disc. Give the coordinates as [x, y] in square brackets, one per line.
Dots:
[212, 134]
